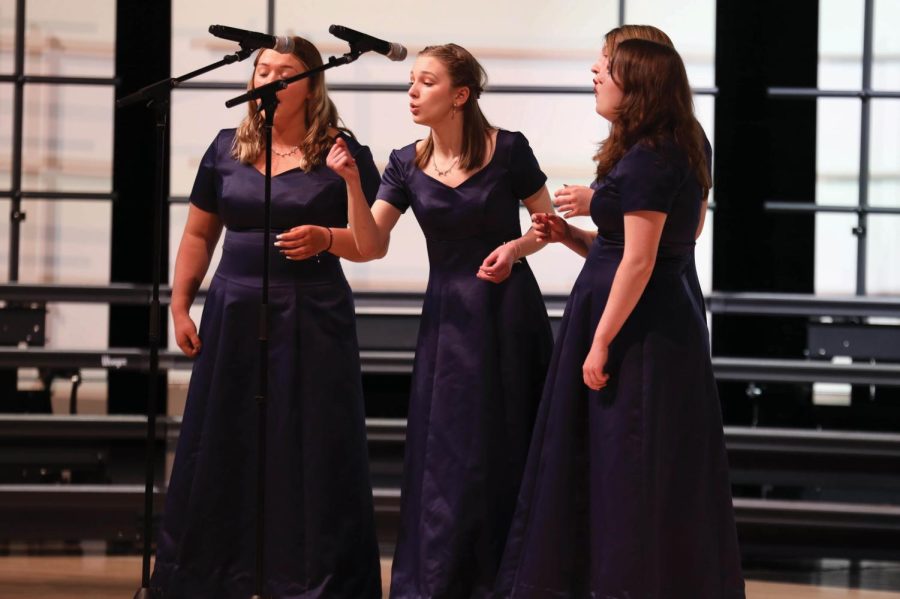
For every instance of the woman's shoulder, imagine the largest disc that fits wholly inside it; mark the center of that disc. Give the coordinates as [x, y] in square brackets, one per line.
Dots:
[661, 158]
[220, 147]
[225, 135]
[510, 145]
[659, 152]
[352, 142]
[224, 141]
[407, 154]
[509, 139]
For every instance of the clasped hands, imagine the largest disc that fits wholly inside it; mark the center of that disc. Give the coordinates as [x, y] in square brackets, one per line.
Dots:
[574, 200]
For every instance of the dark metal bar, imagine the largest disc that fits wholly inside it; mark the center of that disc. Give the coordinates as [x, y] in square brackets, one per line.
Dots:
[817, 514]
[810, 93]
[45, 426]
[60, 80]
[811, 442]
[785, 304]
[386, 362]
[62, 195]
[16, 216]
[815, 208]
[621, 12]
[862, 445]
[114, 359]
[861, 230]
[409, 304]
[779, 441]
[403, 88]
[401, 362]
[801, 371]
[114, 293]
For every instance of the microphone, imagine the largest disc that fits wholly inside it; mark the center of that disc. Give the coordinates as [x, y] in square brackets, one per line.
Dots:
[251, 40]
[364, 43]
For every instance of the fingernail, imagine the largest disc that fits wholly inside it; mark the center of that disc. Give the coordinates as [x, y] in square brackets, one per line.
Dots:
[278, 236]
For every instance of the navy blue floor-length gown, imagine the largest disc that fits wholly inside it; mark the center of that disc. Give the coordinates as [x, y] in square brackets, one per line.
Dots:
[481, 358]
[320, 537]
[626, 493]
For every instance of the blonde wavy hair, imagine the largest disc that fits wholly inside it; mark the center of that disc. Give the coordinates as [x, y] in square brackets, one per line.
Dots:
[321, 115]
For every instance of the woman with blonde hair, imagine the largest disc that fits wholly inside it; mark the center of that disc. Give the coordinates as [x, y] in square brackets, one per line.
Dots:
[319, 535]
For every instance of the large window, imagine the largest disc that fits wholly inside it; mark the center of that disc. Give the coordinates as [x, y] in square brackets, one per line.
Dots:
[63, 110]
[530, 45]
[856, 254]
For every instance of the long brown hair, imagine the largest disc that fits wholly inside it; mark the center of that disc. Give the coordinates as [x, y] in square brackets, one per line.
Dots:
[464, 71]
[657, 106]
[320, 115]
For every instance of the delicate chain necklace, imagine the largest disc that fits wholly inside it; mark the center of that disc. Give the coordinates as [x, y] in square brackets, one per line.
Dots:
[443, 173]
[292, 151]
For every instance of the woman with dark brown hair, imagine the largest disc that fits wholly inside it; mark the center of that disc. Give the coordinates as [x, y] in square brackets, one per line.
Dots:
[320, 535]
[575, 200]
[626, 492]
[484, 339]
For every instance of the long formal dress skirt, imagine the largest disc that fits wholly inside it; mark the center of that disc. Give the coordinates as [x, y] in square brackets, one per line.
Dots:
[482, 352]
[320, 539]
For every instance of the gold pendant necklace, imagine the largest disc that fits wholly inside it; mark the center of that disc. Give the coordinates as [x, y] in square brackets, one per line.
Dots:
[292, 151]
[443, 173]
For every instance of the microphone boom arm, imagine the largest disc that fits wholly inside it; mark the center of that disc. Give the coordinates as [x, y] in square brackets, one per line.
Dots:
[272, 88]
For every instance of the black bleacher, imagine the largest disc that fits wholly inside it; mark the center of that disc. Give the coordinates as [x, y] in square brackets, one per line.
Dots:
[804, 492]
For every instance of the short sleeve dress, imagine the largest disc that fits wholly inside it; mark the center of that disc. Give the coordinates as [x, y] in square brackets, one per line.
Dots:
[320, 536]
[480, 362]
[626, 492]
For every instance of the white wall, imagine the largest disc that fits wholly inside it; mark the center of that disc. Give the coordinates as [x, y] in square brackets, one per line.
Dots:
[68, 129]
[518, 43]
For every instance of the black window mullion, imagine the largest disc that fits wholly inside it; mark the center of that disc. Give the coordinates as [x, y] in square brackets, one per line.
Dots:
[15, 211]
[865, 124]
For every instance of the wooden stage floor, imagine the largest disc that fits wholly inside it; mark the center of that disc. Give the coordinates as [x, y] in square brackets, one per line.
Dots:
[25, 577]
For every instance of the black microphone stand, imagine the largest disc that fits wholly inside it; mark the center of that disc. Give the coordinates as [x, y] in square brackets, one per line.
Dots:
[156, 96]
[267, 97]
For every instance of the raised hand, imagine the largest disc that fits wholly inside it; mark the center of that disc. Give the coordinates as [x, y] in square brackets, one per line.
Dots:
[573, 200]
[341, 161]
